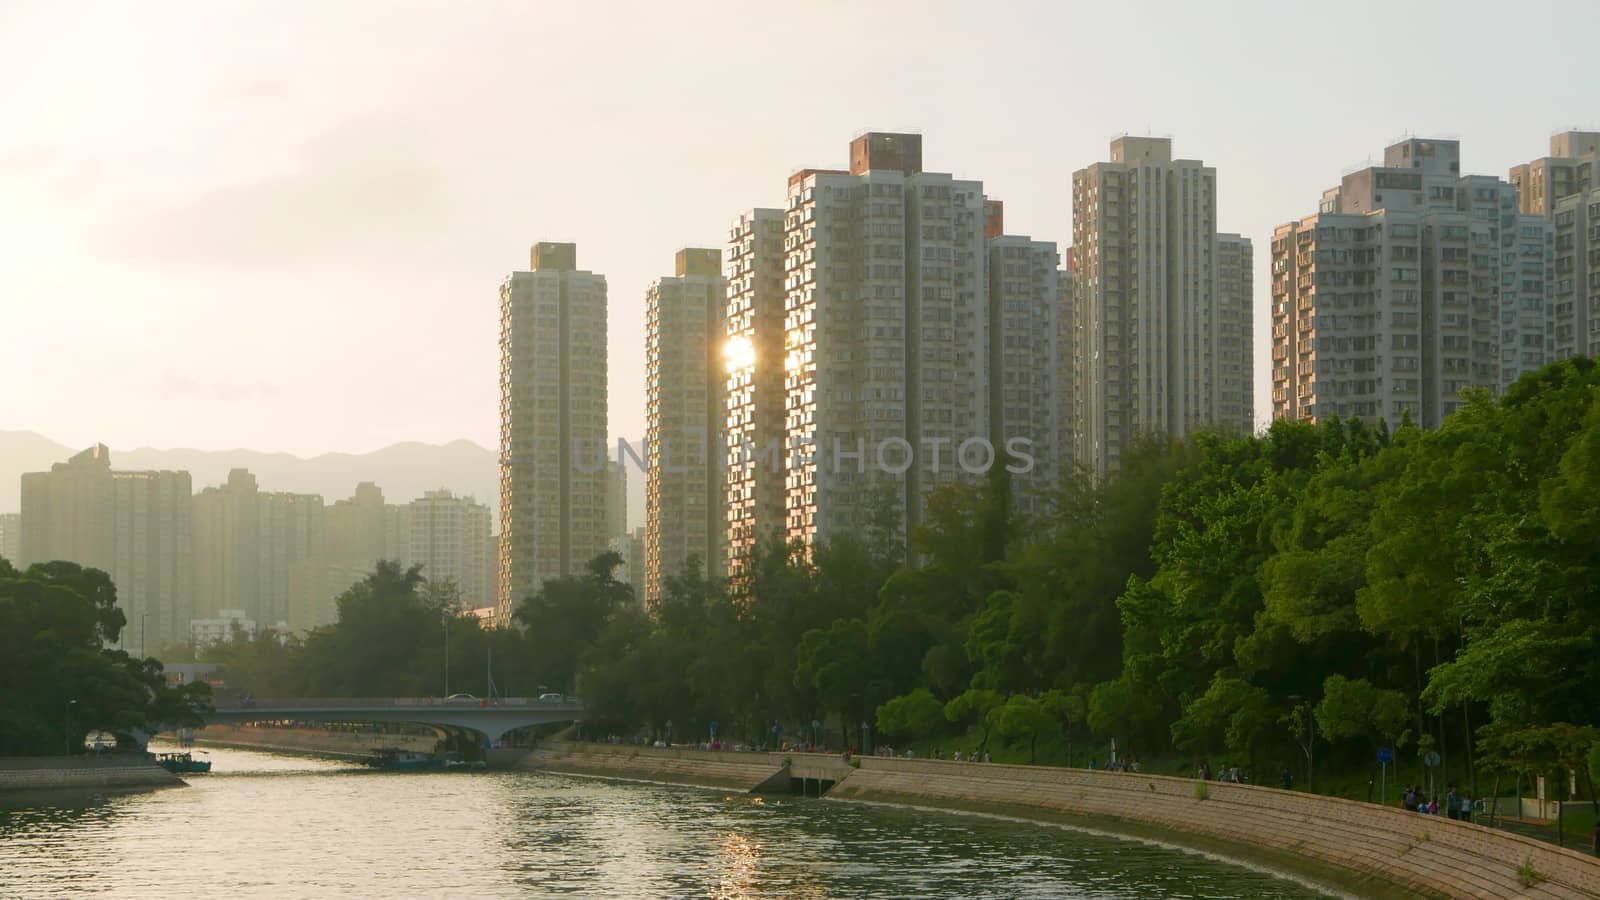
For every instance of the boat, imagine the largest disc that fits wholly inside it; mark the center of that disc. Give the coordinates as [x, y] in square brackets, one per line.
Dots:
[455, 762]
[403, 760]
[183, 763]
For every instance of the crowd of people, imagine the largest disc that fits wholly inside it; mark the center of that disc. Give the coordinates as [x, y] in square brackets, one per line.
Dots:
[1456, 805]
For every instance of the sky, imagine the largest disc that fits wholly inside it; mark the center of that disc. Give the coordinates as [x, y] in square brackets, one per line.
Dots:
[283, 226]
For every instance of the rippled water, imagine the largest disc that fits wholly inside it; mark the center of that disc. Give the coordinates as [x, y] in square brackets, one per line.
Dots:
[276, 826]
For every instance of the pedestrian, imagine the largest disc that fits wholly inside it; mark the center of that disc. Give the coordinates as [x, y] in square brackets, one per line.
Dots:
[1093, 764]
[1452, 802]
[1596, 838]
[1288, 778]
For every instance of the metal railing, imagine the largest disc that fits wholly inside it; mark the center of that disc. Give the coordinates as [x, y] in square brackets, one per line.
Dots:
[235, 704]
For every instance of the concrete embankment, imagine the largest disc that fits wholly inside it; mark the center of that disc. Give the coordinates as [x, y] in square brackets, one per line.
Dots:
[314, 741]
[113, 771]
[715, 769]
[1370, 851]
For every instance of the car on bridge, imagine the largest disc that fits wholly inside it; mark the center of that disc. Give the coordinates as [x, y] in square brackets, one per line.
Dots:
[552, 698]
[461, 698]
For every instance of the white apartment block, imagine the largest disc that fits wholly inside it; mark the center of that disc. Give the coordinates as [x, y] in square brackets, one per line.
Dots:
[1564, 187]
[1024, 362]
[886, 330]
[684, 412]
[552, 423]
[1409, 285]
[753, 389]
[1149, 316]
[450, 539]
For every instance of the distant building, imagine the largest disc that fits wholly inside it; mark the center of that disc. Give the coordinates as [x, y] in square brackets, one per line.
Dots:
[261, 552]
[221, 627]
[361, 530]
[11, 537]
[450, 538]
[684, 414]
[616, 501]
[636, 563]
[135, 526]
[552, 422]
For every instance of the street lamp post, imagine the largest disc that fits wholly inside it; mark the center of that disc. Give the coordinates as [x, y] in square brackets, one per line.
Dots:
[142, 617]
[66, 726]
[445, 618]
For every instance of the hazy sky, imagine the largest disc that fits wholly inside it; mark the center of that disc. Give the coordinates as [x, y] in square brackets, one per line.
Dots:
[283, 226]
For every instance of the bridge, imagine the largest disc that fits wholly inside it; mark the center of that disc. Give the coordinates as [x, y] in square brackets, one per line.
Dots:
[489, 718]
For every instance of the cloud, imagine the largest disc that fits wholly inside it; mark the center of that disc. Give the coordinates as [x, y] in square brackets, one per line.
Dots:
[363, 184]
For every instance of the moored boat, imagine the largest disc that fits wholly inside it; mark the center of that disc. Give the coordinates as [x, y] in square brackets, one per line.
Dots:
[403, 760]
[183, 763]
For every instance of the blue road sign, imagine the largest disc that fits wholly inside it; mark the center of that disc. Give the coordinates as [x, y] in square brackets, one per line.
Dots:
[1386, 756]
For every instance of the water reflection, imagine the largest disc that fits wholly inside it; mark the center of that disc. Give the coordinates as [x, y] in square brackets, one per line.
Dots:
[273, 826]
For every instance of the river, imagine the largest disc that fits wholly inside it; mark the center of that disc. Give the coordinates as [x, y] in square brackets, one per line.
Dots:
[264, 825]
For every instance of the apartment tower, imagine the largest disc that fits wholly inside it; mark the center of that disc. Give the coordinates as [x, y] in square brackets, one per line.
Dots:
[135, 526]
[450, 538]
[684, 412]
[552, 422]
[1146, 299]
[1410, 284]
[753, 387]
[886, 331]
[1023, 362]
[1564, 188]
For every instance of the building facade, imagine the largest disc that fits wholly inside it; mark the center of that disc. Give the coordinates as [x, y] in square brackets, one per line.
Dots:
[11, 537]
[684, 413]
[753, 422]
[1024, 362]
[1232, 350]
[361, 529]
[886, 331]
[1564, 188]
[135, 526]
[1410, 284]
[450, 539]
[1146, 302]
[552, 422]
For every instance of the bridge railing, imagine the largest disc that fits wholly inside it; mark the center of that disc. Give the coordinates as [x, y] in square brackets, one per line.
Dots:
[237, 704]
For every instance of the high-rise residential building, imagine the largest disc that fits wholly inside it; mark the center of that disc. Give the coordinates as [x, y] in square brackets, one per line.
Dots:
[11, 537]
[616, 501]
[293, 559]
[753, 422]
[1573, 167]
[552, 422]
[1564, 188]
[1232, 351]
[1069, 393]
[636, 562]
[361, 530]
[684, 419]
[262, 552]
[135, 526]
[450, 539]
[227, 536]
[1146, 301]
[1023, 360]
[886, 331]
[1410, 284]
